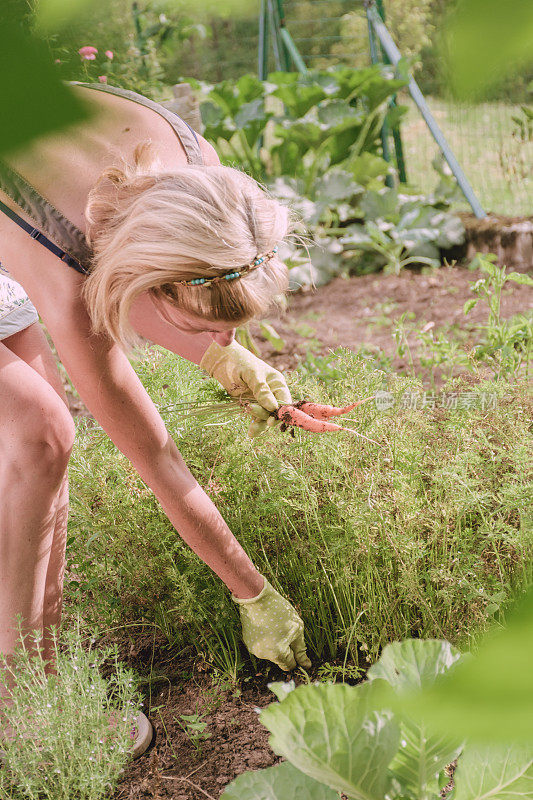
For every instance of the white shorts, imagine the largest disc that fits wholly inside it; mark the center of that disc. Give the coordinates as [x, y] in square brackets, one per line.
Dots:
[16, 309]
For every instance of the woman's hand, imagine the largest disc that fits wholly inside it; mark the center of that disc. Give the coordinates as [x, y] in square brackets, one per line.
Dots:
[244, 375]
[272, 629]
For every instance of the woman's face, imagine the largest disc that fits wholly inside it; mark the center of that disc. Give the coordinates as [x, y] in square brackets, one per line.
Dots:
[220, 332]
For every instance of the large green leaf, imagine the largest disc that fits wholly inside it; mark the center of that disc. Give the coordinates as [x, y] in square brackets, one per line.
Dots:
[34, 100]
[366, 167]
[338, 112]
[52, 15]
[421, 758]
[334, 735]
[495, 773]
[414, 664]
[487, 40]
[337, 184]
[298, 99]
[380, 205]
[489, 697]
[282, 782]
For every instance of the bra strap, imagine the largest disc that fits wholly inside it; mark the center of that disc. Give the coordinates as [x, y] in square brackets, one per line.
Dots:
[38, 236]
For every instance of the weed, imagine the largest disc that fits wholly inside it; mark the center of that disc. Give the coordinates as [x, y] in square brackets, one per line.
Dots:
[506, 344]
[195, 728]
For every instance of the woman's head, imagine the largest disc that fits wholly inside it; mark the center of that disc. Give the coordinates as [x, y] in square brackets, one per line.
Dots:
[149, 229]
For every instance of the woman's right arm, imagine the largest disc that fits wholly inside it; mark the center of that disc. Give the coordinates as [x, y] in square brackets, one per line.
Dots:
[113, 393]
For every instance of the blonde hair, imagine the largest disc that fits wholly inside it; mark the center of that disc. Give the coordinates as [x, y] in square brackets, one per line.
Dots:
[149, 228]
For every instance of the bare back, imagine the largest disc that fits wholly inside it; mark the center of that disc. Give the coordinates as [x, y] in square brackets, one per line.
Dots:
[63, 166]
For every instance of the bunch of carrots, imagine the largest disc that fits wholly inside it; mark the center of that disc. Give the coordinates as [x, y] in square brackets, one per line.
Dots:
[304, 414]
[313, 417]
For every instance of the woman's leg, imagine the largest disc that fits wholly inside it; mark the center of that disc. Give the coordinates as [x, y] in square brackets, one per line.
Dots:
[53, 588]
[36, 437]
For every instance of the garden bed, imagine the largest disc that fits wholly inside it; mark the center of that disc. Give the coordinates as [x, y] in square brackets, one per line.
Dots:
[360, 313]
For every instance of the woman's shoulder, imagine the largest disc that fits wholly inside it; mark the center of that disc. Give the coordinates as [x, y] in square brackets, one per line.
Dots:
[209, 154]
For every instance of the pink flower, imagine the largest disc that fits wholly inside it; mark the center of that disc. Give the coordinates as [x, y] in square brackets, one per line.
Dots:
[57, 61]
[102, 78]
[88, 53]
[109, 54]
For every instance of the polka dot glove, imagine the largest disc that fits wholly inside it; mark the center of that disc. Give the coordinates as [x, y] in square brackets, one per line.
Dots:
[272, 629]
[244, 375]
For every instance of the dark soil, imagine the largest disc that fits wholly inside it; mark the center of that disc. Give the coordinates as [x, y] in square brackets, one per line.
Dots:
[175, 767]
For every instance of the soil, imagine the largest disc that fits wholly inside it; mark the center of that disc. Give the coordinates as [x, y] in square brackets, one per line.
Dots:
[175, 768]
[360, 313]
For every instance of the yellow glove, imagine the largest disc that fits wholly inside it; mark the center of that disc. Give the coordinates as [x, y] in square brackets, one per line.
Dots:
[272, 629]
[244, 375]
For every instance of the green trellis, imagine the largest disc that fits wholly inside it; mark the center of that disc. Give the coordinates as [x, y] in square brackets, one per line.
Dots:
[274, 35]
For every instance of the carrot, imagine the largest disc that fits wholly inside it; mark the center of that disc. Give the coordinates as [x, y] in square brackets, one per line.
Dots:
[325, 412]
[290, 415]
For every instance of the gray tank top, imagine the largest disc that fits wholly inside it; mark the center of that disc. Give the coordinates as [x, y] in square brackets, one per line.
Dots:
[47, 218]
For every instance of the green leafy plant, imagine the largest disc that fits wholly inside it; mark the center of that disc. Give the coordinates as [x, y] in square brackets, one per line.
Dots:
[329, 116]
[503, 345]
[398, 230]
[357, 739]
[506, 344]
[195, 728]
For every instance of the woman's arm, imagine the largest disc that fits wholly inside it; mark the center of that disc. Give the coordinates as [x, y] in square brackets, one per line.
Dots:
[113, 393]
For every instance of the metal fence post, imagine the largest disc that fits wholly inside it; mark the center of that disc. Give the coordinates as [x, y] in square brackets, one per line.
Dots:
[384, 133]
[394, 54]
[396, 135]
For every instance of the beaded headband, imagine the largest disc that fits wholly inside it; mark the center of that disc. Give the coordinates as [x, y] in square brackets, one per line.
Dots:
[229, 276]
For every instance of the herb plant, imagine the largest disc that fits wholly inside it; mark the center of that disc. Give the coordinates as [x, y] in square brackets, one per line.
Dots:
[71, 732]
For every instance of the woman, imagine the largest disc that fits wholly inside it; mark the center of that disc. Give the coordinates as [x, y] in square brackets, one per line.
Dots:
[146, 236]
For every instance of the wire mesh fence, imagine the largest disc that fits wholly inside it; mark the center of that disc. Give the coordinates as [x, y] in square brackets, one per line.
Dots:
[493, 148]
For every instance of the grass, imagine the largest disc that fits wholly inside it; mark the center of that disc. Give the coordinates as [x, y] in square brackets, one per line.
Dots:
[427, 534]
[481, 137]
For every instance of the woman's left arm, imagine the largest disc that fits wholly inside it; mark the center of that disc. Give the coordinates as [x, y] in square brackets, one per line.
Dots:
[238, 370]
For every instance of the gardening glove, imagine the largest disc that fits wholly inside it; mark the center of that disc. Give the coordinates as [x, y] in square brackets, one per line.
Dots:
[244, 375]
[272, 629]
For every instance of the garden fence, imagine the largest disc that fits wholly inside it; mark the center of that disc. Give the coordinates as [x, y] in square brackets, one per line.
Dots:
[495, 152]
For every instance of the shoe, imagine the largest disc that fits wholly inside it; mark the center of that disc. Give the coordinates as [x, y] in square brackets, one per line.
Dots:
[144, 735]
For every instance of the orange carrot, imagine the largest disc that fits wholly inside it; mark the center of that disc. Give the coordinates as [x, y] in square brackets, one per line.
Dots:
[290, 415]
[319, 411]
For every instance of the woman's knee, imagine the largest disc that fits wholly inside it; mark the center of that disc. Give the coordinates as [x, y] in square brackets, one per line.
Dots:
[42, 439]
